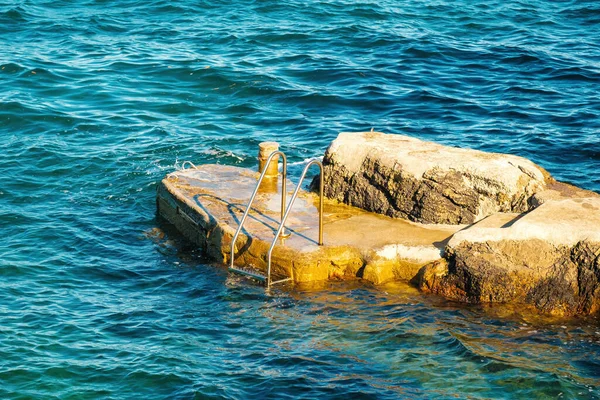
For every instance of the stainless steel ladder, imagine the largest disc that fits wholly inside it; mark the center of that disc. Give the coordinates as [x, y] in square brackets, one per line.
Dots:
[284, 215]
[287, 214]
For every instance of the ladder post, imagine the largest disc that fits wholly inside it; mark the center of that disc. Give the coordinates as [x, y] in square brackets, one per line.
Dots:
[265, 149]
[283, 194]
[321, 179]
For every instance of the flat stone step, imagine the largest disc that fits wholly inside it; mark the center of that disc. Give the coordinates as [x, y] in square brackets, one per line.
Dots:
[247, 272]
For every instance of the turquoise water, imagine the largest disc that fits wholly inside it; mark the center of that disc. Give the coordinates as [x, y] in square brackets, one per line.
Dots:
[100, 99]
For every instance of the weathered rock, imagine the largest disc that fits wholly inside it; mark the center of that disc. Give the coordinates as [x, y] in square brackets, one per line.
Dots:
[549, 257]
[404, 177]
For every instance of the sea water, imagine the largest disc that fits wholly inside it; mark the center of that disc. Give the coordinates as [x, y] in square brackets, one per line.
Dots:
[100, 99]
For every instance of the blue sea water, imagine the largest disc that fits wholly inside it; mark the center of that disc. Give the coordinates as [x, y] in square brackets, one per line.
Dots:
[100, 99]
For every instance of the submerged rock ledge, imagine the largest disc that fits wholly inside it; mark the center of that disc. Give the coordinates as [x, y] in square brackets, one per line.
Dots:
[471, 226]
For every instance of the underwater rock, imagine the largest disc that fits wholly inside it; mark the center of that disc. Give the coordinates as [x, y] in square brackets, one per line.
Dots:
[426, 182]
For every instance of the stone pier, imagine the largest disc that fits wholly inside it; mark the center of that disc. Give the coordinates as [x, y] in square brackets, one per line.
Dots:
[467, 225]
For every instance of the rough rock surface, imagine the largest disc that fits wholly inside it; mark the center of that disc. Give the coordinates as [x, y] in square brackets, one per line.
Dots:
[549, 258]
[404, 177]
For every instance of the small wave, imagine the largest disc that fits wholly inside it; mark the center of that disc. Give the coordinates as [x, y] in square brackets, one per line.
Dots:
[14, 15]
[574, 74]
[41, 73]
[533, 90]
[522, 59]
[275, 37]
[245, 108]
[423, 53]
[305, 161]
[589, 14]
[11, 68]
[221, 155]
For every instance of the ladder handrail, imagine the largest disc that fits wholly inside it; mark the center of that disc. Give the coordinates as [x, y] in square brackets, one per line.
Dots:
[186, 163]
[289, 209]
[283, 190]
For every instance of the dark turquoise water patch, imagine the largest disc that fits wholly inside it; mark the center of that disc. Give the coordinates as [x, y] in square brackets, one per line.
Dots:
[99, 100]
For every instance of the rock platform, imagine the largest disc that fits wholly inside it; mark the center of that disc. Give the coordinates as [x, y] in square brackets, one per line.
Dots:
[470, 226]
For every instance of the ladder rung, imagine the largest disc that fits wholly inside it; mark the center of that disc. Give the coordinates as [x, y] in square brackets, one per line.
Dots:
[281, 281]
[251, 274]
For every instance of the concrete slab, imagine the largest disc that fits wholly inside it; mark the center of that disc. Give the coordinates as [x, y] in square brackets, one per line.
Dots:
[207, 203]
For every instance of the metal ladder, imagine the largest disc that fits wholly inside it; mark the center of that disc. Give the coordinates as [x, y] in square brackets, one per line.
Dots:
[284, 215]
